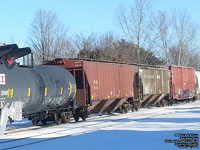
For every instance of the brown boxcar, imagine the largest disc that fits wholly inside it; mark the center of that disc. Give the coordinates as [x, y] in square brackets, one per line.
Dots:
[183, 83]
[154, 85]
[101, 86]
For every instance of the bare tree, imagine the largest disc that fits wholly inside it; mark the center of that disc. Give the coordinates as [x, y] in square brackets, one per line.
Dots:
[134, 24]
[108, 47]
[93, 46]
[48, 37]
[164, 33]
[186, 33]
[83, 42]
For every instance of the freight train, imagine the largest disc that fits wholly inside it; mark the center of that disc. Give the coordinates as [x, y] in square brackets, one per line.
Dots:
[104, 87]
[64, 88]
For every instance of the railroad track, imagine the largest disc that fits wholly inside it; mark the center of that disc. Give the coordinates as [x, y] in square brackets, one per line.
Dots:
[73, 129]
[29, 128]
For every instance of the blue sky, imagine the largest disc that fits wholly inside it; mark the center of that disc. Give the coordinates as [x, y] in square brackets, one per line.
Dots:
[86, 16]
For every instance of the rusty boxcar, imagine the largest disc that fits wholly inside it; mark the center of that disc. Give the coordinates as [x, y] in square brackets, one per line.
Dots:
[101, 86]
[153, 85]
[183, 83]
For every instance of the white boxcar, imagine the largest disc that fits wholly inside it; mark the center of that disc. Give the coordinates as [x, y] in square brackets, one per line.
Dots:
[197, 78]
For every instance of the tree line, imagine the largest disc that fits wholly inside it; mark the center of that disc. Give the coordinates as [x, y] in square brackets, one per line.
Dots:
[147, 37]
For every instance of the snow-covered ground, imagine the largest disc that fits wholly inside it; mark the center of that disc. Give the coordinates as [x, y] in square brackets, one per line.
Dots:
[142, 130]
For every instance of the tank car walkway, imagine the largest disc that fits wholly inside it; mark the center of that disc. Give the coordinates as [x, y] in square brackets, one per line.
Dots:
[151, 128]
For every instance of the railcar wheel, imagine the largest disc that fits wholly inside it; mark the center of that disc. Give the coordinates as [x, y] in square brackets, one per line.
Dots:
[159, 104]
[126, 110]
[84, 115]
[57, 119]
[44, 121]
[65, 117]
[162, 104]
[170, 103]
[132, 108]
[136, 108]
[76, 118]
[35, 121]
[77, 114]
[121, 110]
